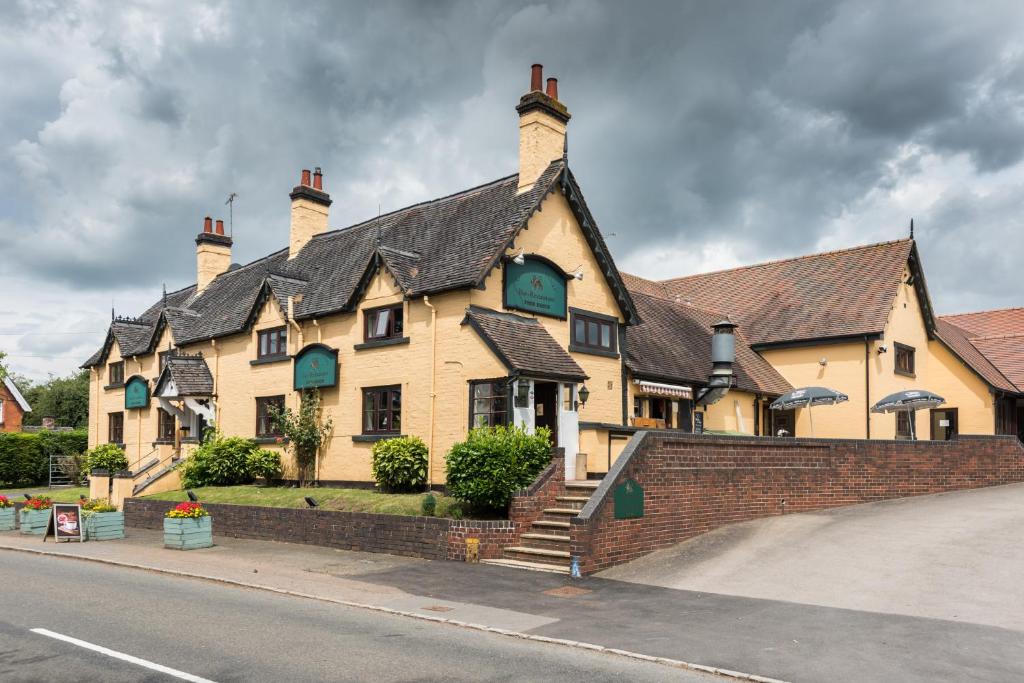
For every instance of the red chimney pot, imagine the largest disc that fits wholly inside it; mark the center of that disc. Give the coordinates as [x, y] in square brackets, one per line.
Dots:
[220, 227]
[536, 76]
[207, 224]
[552, 88]
[305, 177]
[318, 179]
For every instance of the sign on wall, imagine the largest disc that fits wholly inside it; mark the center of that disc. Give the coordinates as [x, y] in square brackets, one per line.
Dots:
[136, 392]
[629, 500]
[536, 286]
[316, 366]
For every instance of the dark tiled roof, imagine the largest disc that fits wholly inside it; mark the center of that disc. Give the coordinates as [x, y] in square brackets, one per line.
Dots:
[833, 294]
[523, 345]
[998, 359]
[448, 243]
[673, 343]
[190, 374]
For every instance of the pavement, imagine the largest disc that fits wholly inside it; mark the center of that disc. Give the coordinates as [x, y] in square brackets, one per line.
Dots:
[808, 615]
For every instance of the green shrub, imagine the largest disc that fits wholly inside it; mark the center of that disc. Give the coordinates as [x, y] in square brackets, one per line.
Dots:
[493, 463]
[106, 456]
[25, 458]
[429, 505]
[227, 461]
[400, 465]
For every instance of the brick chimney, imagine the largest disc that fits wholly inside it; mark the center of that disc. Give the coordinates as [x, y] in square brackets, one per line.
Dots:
[542, 121]
[213, 253]
[309, 211]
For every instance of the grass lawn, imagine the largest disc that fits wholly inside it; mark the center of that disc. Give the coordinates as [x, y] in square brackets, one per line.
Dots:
[352, 500]
[59, 495]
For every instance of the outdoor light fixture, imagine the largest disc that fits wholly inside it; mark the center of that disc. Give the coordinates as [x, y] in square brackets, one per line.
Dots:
[520, 258]
[823, 362]
[882, 349]
[577, 274]
[584, 395]
[192, 496]
[311, 502]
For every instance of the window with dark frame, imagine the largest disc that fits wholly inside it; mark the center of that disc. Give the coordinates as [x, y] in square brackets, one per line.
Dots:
[590, 333]
[165, 425]
[382, 410]
[904, 419]
[904, 359]
[488, 403]
[115, 427]
[265, 425]
[115, 373]
[383, 323]
[273, 343]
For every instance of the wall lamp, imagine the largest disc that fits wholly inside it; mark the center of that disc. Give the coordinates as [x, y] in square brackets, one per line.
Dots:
[584, 394]
[520, 258]
[577, 274]
[882, 349]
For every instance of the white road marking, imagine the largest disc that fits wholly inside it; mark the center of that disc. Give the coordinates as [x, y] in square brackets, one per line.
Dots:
[122, 656]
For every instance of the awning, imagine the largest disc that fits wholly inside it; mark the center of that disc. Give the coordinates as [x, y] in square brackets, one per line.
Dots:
[658, 389]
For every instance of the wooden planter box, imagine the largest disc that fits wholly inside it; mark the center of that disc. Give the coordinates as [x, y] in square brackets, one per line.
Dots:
[7, 518]
[34, 522]
[188, 534]
[104, 526]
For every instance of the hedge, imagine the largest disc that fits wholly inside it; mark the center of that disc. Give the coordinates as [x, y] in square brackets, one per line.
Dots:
[25, 458]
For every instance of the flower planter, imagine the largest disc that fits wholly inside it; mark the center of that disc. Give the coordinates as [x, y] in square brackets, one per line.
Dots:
[7, 519]
[104, 526]
[188, 533]
[34, 522]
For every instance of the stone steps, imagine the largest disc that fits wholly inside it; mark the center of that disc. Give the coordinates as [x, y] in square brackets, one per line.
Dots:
[558, 558]
[530, 566]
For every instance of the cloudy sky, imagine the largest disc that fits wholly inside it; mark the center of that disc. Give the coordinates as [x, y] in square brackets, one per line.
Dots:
[704, 134]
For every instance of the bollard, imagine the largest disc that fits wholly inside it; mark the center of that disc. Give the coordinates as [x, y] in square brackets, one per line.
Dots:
[472, 550]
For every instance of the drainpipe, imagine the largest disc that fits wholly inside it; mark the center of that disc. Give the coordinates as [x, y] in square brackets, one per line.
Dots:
[216, 382]
[138, 422]
[433, 392]
[319, 335]
[867, 388]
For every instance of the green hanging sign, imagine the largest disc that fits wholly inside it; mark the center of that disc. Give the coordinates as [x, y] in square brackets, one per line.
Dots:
[316, 366]
[629, 500]
[537, 285]
[136, 392]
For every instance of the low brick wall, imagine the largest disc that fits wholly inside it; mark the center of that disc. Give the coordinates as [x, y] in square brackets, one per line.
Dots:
[431, 538]
[693, 484]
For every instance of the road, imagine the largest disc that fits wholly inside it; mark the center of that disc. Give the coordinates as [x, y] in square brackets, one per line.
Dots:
[223, 633]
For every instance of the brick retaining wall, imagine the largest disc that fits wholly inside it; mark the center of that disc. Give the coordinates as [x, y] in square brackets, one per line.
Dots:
[431, 538]
[693, 484]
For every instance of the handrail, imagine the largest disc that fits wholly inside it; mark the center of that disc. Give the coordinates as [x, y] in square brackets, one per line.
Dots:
[132, 466]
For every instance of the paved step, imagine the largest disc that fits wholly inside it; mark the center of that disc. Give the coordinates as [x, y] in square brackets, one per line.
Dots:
[544, 542]
[547, 537]
[543, 555]
[568, 512]
[583, 483]
[553, 526]
[531, 566]
[539, 528]
[574, 502]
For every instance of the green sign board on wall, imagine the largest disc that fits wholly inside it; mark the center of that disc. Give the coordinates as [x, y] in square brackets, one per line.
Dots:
[316, 366]
[629, 500]
[536, 286]
[136, 392]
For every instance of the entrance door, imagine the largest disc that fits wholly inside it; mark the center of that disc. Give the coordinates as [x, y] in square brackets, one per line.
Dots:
[783, 422]
[545, 406]
[944, 424]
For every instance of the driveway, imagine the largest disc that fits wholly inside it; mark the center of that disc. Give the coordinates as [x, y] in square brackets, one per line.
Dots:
[952, 556]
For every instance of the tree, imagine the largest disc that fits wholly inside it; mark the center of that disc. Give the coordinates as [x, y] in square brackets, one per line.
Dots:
[305, 431]
[3, 366]
[65, 399]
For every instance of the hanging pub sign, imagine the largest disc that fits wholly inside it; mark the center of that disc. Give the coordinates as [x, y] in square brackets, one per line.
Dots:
[316, 366]
[65, 523]
[537, 286]
[698, 422]
[136, 392]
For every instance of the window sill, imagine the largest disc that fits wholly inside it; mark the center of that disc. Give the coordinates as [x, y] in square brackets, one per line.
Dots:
[114, 386]
[375, 343]
[163, 442]
[270, 359]
[190, 440]
[904, 373]
[372, 438]
[119, 444]
[593, 352]
[270, 440]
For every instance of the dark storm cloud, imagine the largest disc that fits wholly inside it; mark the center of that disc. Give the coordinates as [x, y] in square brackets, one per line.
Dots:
[703, 133]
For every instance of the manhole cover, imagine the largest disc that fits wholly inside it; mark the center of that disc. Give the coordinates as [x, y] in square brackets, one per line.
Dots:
[567, 591]
[438, 608]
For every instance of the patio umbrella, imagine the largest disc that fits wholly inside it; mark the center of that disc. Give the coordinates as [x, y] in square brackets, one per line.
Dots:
[910, 401]
[808, 397]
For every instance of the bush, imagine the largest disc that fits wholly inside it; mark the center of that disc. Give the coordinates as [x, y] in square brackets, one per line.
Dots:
[493, 463]
[227, 461]
[400, 465]
[428, 506]
[25, 458]
[106, 456]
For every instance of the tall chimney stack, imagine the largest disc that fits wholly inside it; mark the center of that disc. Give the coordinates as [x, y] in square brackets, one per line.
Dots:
[213, 253]
[310, 206]
[542, 123]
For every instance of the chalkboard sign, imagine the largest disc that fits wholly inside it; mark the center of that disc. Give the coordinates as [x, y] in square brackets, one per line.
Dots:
[698, 422]
[65, 523]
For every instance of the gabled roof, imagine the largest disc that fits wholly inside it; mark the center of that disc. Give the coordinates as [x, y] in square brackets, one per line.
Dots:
[991, 343]
[835, 294]
[190, 374]
[673, 343]
[18, 398]
[523, 345]
[449, 243]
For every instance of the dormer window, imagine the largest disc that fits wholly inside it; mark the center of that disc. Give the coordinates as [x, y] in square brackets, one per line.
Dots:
[383, 323]
[273, 343]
